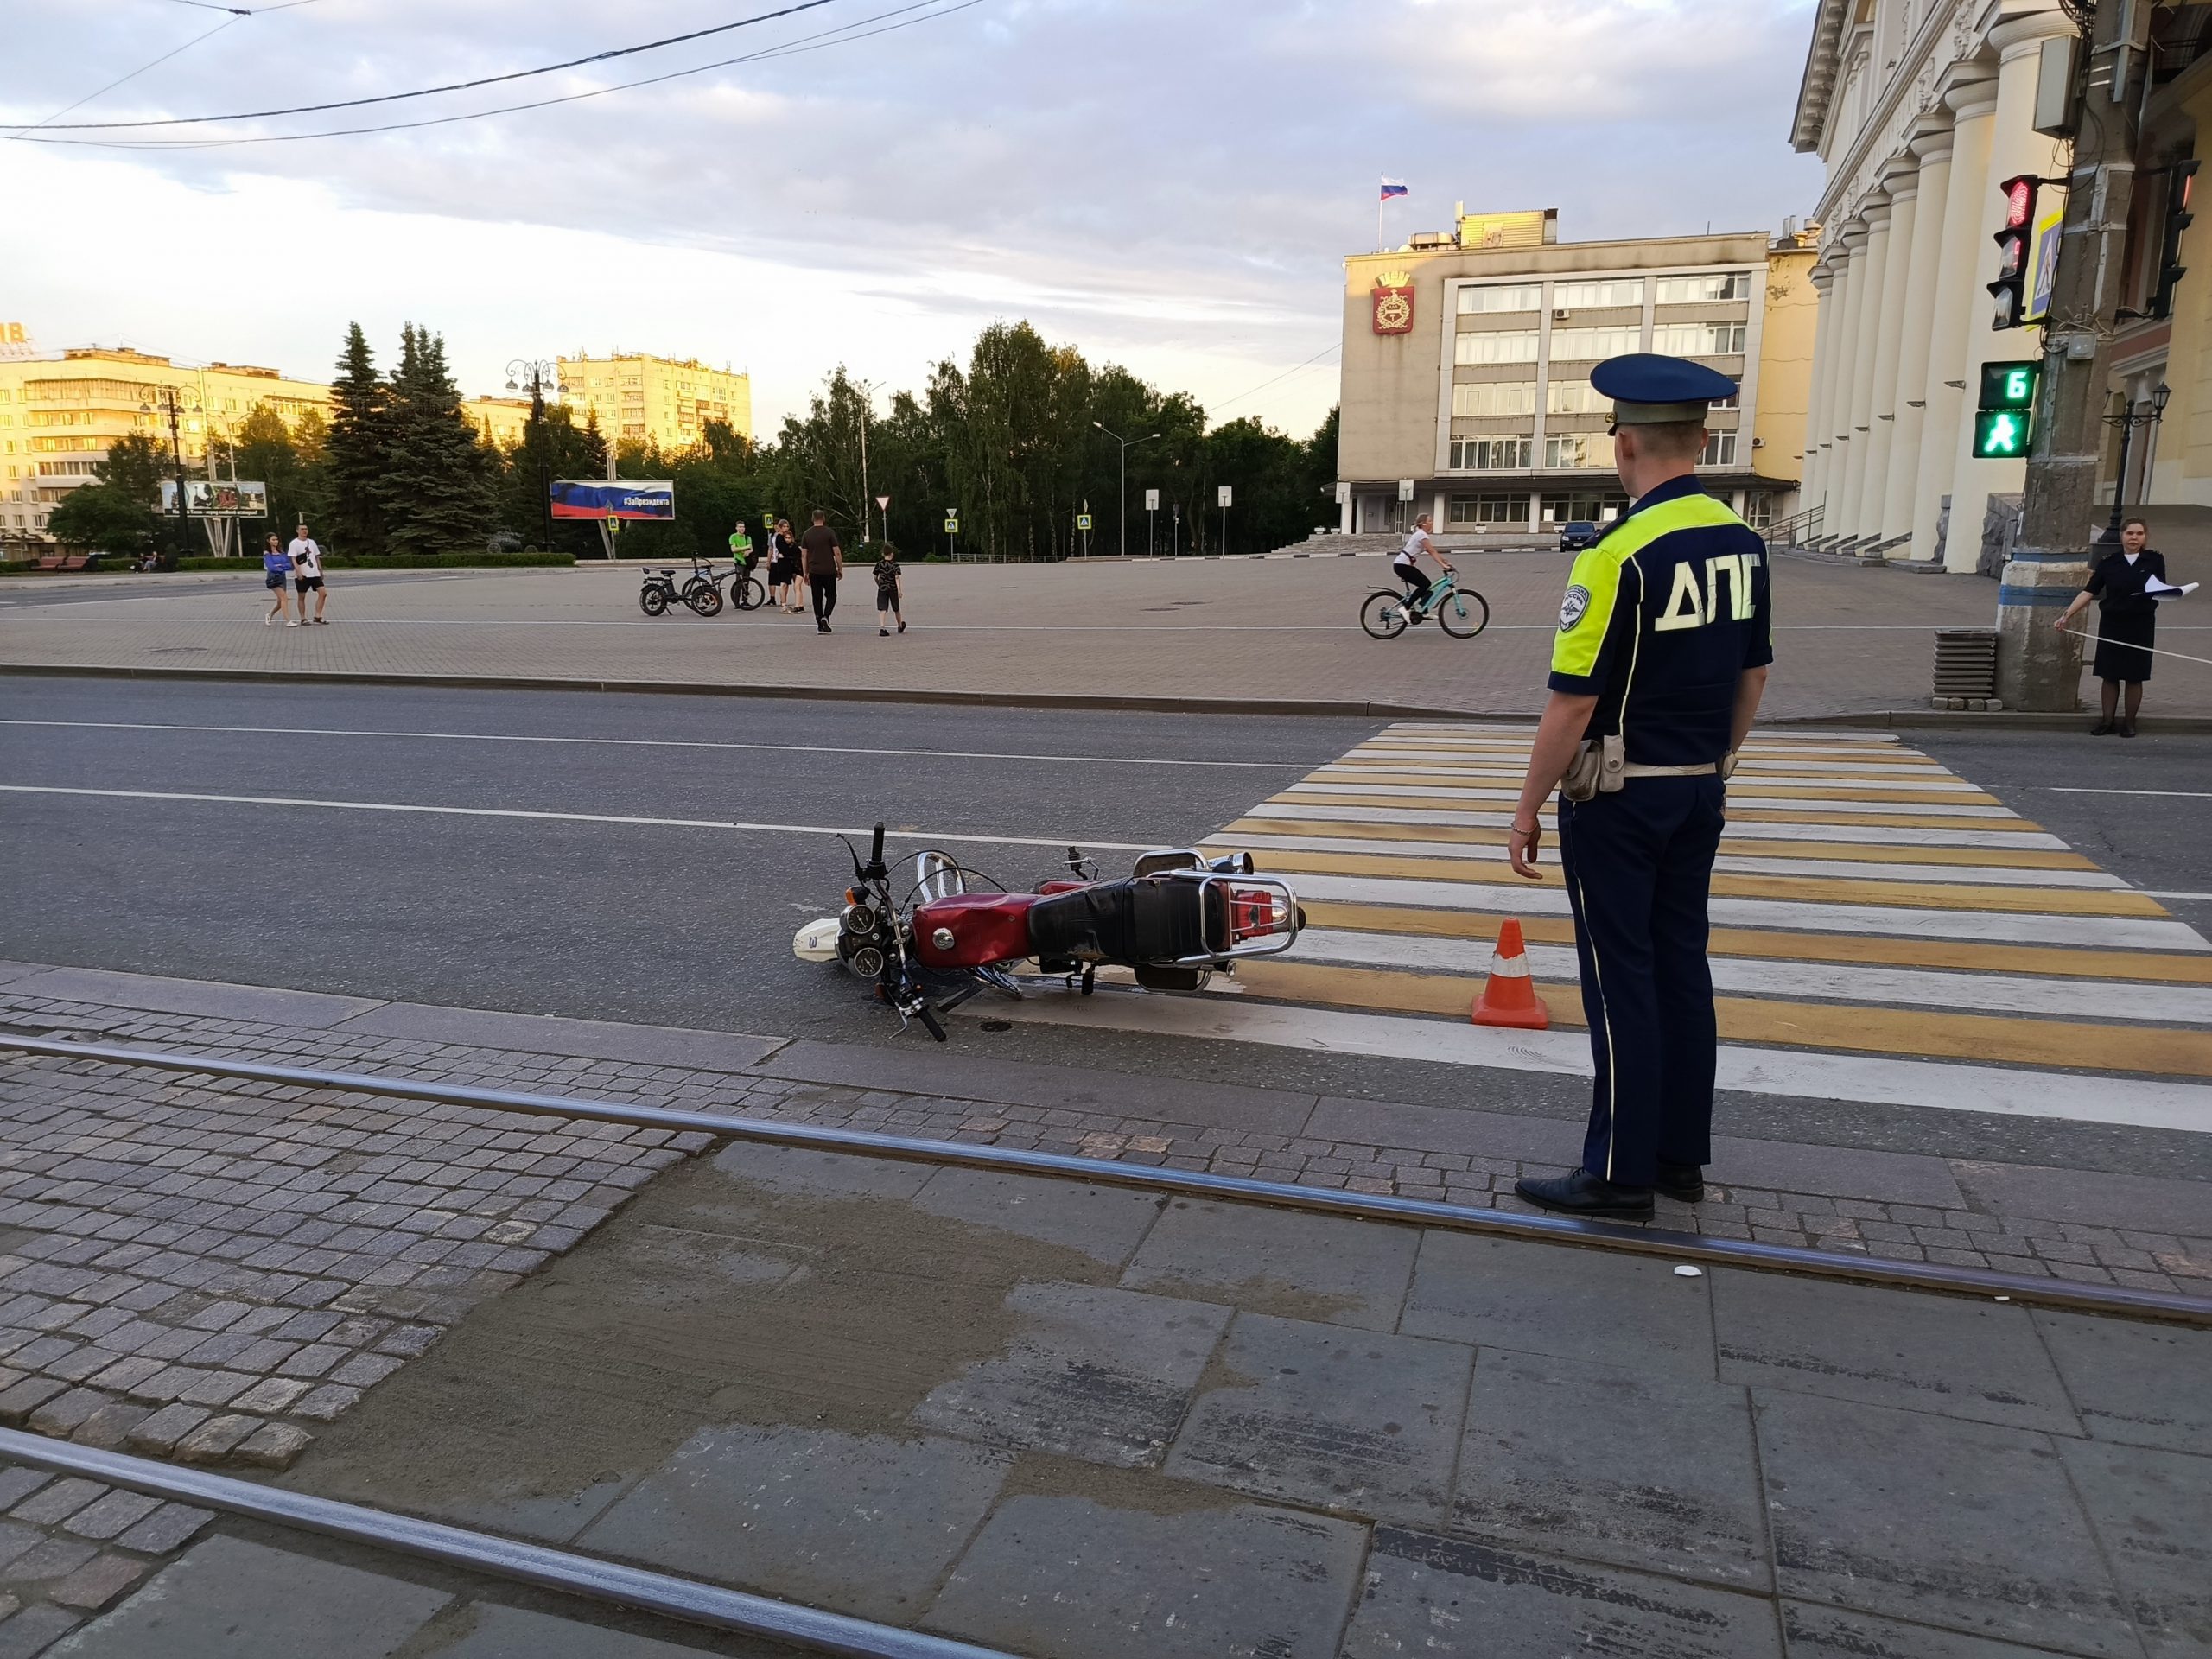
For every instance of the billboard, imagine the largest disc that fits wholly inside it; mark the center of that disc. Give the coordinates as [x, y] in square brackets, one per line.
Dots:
[212, 497]
[614, 498]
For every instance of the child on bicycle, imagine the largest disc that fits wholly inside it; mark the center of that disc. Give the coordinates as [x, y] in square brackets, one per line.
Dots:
[887, 588]
[1406, 566]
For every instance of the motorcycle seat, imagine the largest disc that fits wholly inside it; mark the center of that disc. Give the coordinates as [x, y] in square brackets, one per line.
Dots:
[1133, 921]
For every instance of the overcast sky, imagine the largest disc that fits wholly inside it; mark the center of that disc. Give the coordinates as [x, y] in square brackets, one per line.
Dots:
[1170, 184]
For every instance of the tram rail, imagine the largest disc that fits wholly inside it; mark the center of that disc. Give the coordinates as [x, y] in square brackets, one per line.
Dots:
[1680, 1247]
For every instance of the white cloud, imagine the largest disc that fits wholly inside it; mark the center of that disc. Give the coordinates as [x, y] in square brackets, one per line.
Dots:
[1167, 184]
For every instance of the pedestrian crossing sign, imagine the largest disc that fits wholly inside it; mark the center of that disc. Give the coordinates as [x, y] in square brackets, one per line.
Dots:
[2001, 434]
[1083, 521]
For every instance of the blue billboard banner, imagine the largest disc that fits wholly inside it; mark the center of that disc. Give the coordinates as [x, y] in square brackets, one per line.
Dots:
[613, 497]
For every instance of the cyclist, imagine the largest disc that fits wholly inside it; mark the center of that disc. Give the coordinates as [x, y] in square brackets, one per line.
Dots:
[1406, 566]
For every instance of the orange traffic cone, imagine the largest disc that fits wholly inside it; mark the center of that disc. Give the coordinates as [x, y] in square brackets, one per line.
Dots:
[1508, 997]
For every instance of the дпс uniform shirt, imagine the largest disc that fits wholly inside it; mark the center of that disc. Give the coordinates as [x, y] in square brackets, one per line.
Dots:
[1661, 619]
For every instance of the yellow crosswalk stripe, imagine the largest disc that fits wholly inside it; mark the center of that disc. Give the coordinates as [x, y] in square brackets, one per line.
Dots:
[2024, 858]
[1803, 889]
[1855, 1027]
[1765, 812]
[1741, 787]
[2056, 961]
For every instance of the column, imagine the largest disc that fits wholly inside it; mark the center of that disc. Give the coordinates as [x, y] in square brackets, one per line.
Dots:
[1850, 287]
[1932, 146]
[1958, 307]
[1901, 178]
[1858, 412]
[2014, 148]
[1812, 456]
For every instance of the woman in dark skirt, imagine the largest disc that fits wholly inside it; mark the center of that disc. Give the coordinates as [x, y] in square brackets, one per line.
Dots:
[2127, 624]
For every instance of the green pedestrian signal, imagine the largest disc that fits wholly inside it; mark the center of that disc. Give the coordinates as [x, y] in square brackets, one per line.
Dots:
[2000, 435]
[2009, 386]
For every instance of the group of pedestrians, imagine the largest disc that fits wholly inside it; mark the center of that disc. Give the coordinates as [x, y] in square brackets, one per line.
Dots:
[813, 562]
[297, 566]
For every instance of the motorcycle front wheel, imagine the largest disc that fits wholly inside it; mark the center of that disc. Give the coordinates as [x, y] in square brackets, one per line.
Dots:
[1383, 615]
[654, 601]
[1463, 614]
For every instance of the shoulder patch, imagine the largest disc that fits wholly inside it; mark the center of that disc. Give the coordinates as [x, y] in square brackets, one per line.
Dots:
[1572, 607]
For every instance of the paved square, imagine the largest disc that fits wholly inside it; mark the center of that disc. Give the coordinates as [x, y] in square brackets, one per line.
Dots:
[2152, 1511]
[2119, 1374]
[1355, 1421]
[1307, 1266]
[1241, 1579]
[1653, 1473]
[1099, 1374]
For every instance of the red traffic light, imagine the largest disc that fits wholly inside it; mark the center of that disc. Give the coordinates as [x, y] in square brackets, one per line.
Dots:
[2019, 201]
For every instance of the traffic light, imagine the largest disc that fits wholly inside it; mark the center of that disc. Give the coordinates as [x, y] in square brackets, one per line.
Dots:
[2009, 287]
[2004, 421]
[2001, 434]
[2181, 179]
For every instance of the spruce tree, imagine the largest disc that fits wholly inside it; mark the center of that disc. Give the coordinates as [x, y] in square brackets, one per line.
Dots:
[439, 496]
[359, 451]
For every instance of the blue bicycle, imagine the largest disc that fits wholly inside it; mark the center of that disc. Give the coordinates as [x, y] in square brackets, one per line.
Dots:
[1460, 612]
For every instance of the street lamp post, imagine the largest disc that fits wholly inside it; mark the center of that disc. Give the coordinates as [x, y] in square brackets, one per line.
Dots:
[2132, 416]
[1122, 504]
[176, 463]
[539, 372]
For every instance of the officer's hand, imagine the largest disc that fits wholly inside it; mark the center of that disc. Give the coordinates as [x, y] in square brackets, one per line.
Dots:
[1521, 846]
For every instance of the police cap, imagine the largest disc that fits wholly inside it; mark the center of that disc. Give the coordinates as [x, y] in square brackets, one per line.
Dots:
[1649, 390]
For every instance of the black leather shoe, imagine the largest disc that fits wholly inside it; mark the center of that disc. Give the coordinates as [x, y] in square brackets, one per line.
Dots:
[1684, 1183]
[2103, 729]
[1581, 1194]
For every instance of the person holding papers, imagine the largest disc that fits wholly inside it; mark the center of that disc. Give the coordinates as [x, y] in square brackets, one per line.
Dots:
[2128, 622]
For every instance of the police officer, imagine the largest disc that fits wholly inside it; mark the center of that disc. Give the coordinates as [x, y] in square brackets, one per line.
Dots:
[1658, 669]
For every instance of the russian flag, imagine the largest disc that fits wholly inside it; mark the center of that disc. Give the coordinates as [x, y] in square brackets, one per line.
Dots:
[1393, 187]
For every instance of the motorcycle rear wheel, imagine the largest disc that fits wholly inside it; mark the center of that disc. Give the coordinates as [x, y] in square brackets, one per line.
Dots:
[1383, 615]
[654, 601]
[1463, 614]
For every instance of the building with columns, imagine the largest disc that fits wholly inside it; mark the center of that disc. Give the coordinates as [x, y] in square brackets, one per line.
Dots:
[1919, 108]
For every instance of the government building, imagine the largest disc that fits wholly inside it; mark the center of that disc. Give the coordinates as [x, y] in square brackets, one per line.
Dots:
[1921, 110]
[664, 400]
[1467, 354]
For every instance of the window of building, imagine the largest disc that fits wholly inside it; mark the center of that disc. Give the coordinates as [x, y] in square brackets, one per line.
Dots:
[1704, 291]
[1520, 297]
[1505, 345]
[1569, 296]
[1720, 450]
[1575, 397]
[1487, 510]
[1579, 449]
[1583, 507]
[1758, 511]
[1697, 339]
[1588, 345]
[1490, 455]
[1472, 399]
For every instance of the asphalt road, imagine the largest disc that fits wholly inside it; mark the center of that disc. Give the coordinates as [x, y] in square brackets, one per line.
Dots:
[652, 918]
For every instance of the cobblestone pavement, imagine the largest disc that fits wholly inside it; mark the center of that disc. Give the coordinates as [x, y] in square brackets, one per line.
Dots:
[1853, 640]
[69, 1547]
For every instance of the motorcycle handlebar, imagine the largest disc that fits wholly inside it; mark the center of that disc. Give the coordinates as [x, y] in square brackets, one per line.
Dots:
[875, 851]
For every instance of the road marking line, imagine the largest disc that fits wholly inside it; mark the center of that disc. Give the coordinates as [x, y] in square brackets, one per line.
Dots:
[1790, 789]
[1918, 951]
[2179, 794]
[925, 837]
[2104, 931]
[648, 743]
[1910, 902]
[1408, 795]
[1384, 837]
[1234, 840]
[1871, 1079]
[1770, 1022]
[1993, 835]
[1830, 982]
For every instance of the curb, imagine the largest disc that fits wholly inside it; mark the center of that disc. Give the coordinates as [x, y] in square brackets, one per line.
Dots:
[1304, 708]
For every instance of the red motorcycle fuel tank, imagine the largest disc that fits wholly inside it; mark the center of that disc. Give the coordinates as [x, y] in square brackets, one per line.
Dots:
[982, 928]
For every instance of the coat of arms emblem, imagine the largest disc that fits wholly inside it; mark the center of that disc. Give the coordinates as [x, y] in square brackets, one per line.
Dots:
[1394, 302]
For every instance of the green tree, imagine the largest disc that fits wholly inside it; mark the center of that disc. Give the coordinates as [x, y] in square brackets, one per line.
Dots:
[136, 464]
[436, 497]
[105, 517]
[291, 462]
[360, 450]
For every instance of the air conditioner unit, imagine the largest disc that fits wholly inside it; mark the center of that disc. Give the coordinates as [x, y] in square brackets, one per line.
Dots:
[1561, 314]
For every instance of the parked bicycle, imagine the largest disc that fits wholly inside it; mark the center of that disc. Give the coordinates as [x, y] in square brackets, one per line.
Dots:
[1460, 612]
[701, 592]
[746, 592]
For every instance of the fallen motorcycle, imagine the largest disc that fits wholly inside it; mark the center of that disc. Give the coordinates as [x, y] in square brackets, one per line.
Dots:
[1179, 919]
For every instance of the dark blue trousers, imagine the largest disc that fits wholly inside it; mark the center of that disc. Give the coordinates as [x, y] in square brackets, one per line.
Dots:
[1638, 865]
